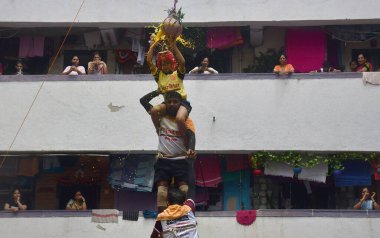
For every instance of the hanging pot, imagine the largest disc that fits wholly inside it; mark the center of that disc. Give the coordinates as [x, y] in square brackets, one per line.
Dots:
[171, 27]
[337, 172]
[297, 170]
[257, 172]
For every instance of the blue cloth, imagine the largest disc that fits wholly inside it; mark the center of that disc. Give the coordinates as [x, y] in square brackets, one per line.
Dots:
[367, 205]
[355, 173]
[236, 190]
[132, 172]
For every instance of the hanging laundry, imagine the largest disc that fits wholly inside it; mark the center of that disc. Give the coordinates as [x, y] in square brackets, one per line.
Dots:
[208, 171]
[236, 191]
[371, 78]
[105, 216]
[132, 172]
[314, 174]
[139, 48]
[109, 37]
[127, 200]
[305, 49]
[135, 33]
[38, 46]
[10, 166]
[26, 47]
[31, 46]
[355, 173]
[223, 37]
[27, 167]
[282, 169]
[92, 39]
[237, 162]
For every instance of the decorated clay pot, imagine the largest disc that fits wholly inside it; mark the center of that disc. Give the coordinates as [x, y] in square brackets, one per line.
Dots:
[337, 172]
[257, 172]
[297, 170]
[171, 27]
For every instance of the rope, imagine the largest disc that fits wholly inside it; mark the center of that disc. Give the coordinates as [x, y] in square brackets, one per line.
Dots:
[43, 82]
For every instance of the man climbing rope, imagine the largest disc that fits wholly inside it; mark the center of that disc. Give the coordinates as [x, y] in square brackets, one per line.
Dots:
[174, 149]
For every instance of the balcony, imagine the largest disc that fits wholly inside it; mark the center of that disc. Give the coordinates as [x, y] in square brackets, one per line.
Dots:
[233, 113]
[269, 223]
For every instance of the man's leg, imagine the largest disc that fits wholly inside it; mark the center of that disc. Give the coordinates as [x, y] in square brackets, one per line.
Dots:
[183, 187]
[162, 195]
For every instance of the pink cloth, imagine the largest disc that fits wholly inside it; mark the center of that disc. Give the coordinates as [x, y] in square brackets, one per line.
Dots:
[305, 49]
[374, 164]
[31, 46]
[38, 46]
[223, 37]
[208, 171]
[237, 162]
[26, 45]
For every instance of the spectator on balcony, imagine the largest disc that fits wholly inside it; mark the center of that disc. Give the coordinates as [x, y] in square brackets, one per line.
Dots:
[15, 204]
[203, 68]
[97, 66]
[326, 68]
[74, 69]
[77, 203]
[353, 65]
[364, 65]
[367, 201]
[19, 68]
[283, 67]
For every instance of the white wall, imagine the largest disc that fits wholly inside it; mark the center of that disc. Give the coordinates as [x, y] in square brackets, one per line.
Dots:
[283, 114]
[125, 13]
[210, 227]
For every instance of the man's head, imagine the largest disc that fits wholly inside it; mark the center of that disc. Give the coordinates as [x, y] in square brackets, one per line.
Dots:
[166, 61]
[173, 102]
[176, 197]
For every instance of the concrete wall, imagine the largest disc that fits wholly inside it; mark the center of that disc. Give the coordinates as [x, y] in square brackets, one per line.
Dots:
[210, 227]
[137, 13]
[252, 112]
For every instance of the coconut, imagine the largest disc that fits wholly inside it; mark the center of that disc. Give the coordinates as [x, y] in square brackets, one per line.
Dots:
[171, 27]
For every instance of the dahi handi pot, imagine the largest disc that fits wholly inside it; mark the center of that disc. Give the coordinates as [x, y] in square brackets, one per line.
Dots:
[171, 27]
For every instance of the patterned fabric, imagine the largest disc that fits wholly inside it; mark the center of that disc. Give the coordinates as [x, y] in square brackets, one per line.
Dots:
[171, 144]
[171, 82]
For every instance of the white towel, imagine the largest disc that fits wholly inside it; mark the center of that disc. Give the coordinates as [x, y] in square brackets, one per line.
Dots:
[274, 168]
[92, 39]
[315, 174]
[105, 216]
[371, 78]
[109, 37]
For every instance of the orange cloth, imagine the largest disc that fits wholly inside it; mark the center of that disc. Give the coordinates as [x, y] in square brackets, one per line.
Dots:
[173, 212]
[287, 68]
[27, 167]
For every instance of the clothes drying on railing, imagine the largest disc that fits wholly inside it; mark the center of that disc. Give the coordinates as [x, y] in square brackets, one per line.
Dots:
[208, 171]
[305, 49]
[223, 37]
[132, 172]
[355, 173]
